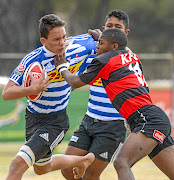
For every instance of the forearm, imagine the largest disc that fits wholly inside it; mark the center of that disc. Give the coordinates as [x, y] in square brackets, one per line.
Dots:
[16, 92]
[73, 80]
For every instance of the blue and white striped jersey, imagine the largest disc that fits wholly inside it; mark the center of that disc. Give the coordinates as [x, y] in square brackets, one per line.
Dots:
[99, 105]
[57, 96]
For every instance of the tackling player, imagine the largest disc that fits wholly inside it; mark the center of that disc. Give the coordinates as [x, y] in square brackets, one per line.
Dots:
[123, 80]
[102, 130]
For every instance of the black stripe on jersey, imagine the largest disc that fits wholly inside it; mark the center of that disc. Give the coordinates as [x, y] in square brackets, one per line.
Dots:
[120, 73]
[127, 94]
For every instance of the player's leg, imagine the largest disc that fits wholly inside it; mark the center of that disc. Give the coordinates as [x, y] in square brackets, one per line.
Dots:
[163, 157]
[79, 145]
[91, 173]
[70, 150]
[94, 171]
[135, 148]
[107, 141]
[61, 161]
[17, 168]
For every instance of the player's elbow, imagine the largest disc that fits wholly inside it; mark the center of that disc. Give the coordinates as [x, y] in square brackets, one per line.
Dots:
[4, 96]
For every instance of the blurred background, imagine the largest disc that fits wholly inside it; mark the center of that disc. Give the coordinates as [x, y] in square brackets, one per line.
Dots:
[151, 37]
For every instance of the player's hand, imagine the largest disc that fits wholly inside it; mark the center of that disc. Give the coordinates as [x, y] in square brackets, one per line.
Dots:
[39, 84]
[59, 59]
[95, 33]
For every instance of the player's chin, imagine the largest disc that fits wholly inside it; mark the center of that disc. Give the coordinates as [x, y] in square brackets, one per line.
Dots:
[98, 52]
[61, 52]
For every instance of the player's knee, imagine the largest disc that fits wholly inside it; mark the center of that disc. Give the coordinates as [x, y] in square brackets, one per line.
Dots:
[18, 166]
[119, 163]
[39, 170]
[43, 166]
[67, 173]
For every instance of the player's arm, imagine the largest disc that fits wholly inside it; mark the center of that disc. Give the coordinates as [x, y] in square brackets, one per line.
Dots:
[13, 91]
[73, 80]
[76, 81]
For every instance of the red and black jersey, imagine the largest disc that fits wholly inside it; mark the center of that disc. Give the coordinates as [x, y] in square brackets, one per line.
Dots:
[122, 78]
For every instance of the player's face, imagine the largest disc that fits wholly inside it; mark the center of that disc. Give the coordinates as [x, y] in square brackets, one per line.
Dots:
[56, 40]
[114, 22]
[103, 46]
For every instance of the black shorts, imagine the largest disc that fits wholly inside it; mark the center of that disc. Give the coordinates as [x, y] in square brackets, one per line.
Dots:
[154, 123]
[103, 138]
[45, 131]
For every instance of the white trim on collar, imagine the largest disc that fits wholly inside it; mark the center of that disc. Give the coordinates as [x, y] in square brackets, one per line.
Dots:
[48, 53]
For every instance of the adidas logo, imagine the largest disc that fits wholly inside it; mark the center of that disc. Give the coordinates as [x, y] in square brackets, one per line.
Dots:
[45, 136]
[104, 155]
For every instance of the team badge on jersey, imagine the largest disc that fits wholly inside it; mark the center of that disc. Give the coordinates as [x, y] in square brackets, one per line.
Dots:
[20, 70]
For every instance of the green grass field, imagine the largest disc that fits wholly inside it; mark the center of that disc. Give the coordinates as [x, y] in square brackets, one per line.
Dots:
[143, 170]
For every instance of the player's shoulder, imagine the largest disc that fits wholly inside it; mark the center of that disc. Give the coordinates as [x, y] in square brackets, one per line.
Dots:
[105, 57]
[33, 55]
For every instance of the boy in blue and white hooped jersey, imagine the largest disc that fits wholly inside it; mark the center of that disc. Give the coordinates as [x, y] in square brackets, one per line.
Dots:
[46, 119]
[57, 96]
[102, 130]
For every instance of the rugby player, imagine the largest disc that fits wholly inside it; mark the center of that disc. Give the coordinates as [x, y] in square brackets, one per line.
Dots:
[123, 80]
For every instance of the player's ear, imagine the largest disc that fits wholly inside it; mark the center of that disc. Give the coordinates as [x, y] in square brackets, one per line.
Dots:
[103, 28]
[42, 40]
[127, 31]
[115, 46]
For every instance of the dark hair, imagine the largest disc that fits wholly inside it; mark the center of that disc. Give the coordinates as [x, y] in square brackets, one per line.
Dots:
[48, 22]
[115, 35]
[121, 15]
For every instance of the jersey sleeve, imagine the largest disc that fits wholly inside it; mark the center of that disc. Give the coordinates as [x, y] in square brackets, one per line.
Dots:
[92, 72]
[17, 74]
[91, 45]
[86, 62]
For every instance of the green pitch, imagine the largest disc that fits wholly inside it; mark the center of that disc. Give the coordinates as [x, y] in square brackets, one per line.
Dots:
[12, 121]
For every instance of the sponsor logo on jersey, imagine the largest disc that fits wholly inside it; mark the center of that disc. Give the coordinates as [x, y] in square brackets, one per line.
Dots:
[104, 155]
[54, 76]
[158, 135]
[98, 82]
[74, 138]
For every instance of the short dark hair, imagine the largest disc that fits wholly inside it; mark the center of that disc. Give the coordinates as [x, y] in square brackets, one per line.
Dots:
[48, 22]
[121, 15]
[115, 35]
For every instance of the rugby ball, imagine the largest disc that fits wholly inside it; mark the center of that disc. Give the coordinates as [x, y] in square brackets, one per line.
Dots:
[35, 69]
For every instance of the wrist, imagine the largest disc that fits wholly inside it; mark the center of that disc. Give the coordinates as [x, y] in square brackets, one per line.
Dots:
[62, 67]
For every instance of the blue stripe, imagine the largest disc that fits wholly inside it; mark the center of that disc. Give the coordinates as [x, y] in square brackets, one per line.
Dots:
[27, 155]
[42, 106]
[98, 94]
[102, 104]
[61, 88]
[44, 161]
[104, 113]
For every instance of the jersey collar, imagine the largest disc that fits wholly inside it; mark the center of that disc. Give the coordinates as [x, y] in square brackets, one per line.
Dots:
[48, 53]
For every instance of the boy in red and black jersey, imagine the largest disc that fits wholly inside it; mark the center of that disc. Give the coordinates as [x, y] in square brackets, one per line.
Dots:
[123, 80]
